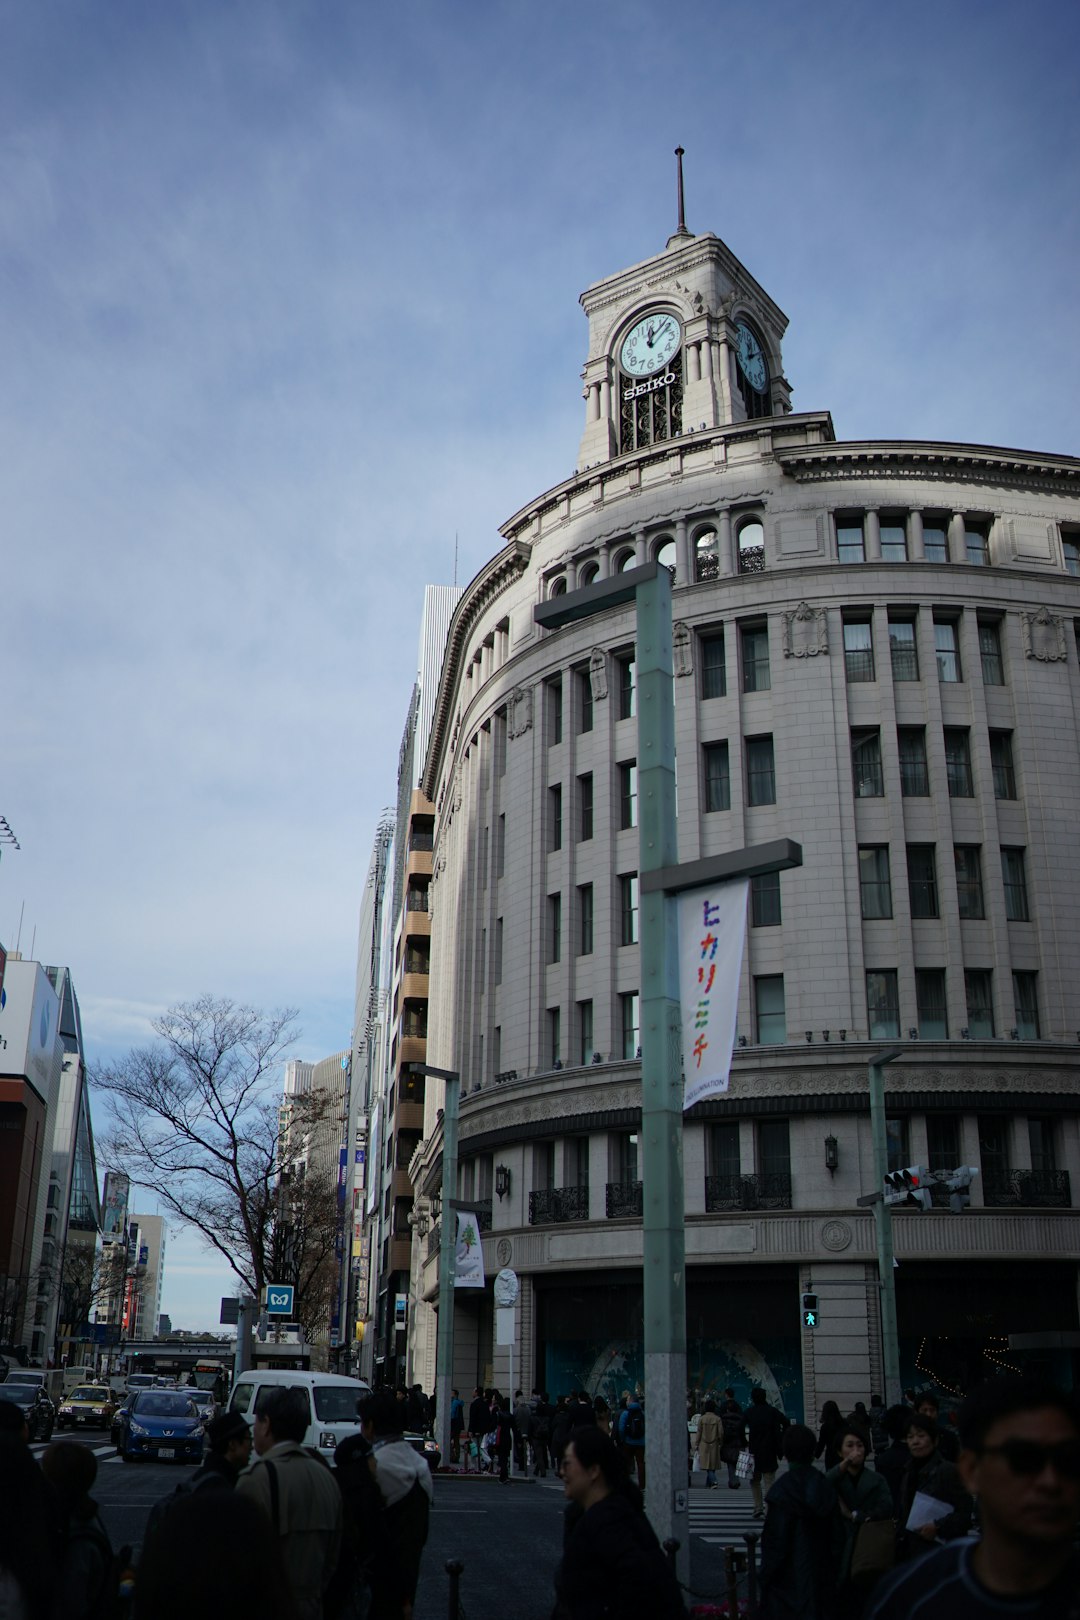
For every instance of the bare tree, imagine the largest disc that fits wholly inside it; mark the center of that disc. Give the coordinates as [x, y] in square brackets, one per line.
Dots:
[305, 1244]
[196, 1119]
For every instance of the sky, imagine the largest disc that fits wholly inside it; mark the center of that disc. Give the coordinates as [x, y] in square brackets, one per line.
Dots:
[289, 309]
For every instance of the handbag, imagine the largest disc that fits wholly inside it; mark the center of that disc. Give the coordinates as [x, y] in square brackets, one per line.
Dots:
[874, 1551]
[744, 1468]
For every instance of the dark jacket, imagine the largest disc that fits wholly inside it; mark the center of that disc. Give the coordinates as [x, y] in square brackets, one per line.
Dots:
[734, 1435]
[891, 1464]
[613, 1566]
[866, 1495]
[796, 1562]
[828, 1442]
[764, 1433]
[939, 1478]
[479, 1417]
[82, 1589]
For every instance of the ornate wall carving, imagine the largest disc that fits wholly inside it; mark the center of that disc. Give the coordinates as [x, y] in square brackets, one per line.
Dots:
[598, 673]
[806, 632]
[1044, 636]
[520, 717]
[682, 650]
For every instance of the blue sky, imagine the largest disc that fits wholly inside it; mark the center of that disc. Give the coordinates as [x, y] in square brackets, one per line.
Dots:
[288, 298]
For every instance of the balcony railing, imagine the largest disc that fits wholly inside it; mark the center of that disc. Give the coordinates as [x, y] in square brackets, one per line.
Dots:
[434, 1239]
[751, 559]
[550, 1205]
[748, 1192]
[623, 1199]
[1027, 1189]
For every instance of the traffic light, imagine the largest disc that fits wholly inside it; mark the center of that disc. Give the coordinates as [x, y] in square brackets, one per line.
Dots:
[958, 1183]
[906, 1187]
[809, 1311]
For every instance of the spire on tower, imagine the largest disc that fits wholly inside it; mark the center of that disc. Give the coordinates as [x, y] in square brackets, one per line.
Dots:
[681, 231]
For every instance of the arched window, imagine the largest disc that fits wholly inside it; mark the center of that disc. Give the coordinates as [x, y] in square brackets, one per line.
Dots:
[751, 541]
[558, 587]
[625, 560]
[588, 574]
[706, 556]
[664, 553]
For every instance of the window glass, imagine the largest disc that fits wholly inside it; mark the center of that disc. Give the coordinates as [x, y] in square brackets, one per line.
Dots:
[554, 1019]
[774, 1148]
[760, 771]
[751, 543]
[977, 541]
[1070, 546]
[946, 645]
[935, 540]
[1001, 764]
[1026, 1006]
[717, 777]
[969, 887]
[866, 764]
[585, 919]
[993, 1145]
[922, 880]
[1043, 1147]
[554, 697]
[627, 560]
[241, 1398]
[903, 650]
[706, 557]
[993, 668]
[771, 1023]
[858, 651]
[755, 658]
[585, 1031]
[626, 670]
[943, 1141]
[628, 907]
[554, 927]
[722, 1149]
[897, 1149]
[335, 1404]
[665, 554]
[1015, 882]
[978, 988]
[555, 818]
[914, 772]
[850, 545]
[958, 763]
[627, 795]
[875, 887]
[932, 1005]
[585, 806]
[629, 1022]
[713, 673]
[585, 700]
[882, 1004]
[893, 540]
[765, 900]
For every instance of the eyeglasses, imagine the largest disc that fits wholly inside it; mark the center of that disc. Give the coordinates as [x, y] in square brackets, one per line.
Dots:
[1029, 1457]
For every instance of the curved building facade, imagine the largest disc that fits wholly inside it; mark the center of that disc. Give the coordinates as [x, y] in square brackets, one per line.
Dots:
[875, 650]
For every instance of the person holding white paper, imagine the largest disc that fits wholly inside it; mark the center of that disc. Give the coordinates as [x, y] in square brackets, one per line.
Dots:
[934, 1506]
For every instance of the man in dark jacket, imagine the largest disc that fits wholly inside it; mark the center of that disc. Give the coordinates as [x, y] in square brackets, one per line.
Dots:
[764, 1434]
[228, 1455]
[795, 1543]
[733, 1436]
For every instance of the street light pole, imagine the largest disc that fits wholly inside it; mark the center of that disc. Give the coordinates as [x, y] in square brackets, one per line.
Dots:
[444, 1343]
[890, 1344]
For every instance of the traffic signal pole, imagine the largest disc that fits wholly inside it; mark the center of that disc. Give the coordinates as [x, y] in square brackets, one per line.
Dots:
[890, 1343]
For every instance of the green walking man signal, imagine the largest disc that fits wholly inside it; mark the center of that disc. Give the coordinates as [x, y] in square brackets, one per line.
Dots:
[809, 1311]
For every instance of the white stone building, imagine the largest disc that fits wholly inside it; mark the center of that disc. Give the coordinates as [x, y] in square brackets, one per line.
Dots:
[876, 656]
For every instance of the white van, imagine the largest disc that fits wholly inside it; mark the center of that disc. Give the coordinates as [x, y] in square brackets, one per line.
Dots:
[331, 1402]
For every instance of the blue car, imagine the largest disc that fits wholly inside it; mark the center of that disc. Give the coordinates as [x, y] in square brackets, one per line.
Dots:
[160, 1423]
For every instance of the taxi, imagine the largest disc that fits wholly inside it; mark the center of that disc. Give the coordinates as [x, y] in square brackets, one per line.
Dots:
[91, 1404]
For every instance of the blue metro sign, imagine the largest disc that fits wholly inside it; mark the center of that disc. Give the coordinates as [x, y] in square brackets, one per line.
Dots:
[279, 1299]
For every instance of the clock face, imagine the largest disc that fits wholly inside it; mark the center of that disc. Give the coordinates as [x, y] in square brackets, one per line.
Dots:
[650, 344]
[752, 362]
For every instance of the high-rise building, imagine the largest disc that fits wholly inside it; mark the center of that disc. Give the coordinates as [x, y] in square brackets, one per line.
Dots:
[875, 655]
[145, 1275]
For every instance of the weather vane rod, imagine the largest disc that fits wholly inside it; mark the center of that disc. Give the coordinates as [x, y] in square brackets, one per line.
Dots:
[682, 230]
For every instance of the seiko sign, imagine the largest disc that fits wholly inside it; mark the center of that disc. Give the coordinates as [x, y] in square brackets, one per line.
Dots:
[650, 387]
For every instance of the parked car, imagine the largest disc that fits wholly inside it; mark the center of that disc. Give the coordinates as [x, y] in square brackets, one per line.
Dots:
[92, 1405]
[37, 1408]
[160, 1424]
[205, 1402]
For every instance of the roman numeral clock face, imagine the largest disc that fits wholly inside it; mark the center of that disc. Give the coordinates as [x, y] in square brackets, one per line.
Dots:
[649, 345]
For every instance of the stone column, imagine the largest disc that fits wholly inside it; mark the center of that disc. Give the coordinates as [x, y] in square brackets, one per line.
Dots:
[957, 538]
[727, 407]
[603, 557]
[641, 555]
[593, 397]
[684, 573]
[916, 549]
[693, 362]
[605, 399]
[725, 545]
[872, 535]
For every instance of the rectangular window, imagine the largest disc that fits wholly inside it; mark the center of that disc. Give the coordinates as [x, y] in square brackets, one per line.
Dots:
[498, 964]
[958, 763]
[993, 1146]
[585, 1032]
[774, 1149]
[555, 818]
[943, 1141]
[1001, 763]
[585, 919]
[1070, 547]
[979, 991]
[585, 806]
[554, 1035]
[977, 541]
[897, 1147]
[922, 880]
[543, 1178]
[722, 1149]
[760, 771]
[1015, 881]
[765, 900]
[629, 1024]
[717, 776]
[628, 909]
[770, 1018]
[858, 651]
[585, 700]
[554, 927]
[866, 764]
[626, 1158]
[931, 1004]
[947, 647]
[882, 1004]
[850, 544]
[993, 668]
[554, 708]
[500, 847]
[628, 795]
[914, 772]
[903, 650]
[1026, 1005]
[875, 887]
[754, 641]
[626, 670]
[893, 540]
[713, 670]
[969, 884]
[935, 540]
[1041, 1140]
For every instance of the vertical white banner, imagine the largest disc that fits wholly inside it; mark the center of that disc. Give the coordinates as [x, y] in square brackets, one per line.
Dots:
[468, 1252]
[712, 931]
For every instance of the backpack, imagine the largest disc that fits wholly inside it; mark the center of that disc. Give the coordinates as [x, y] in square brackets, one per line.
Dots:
[112, 1600]
[634, 1427]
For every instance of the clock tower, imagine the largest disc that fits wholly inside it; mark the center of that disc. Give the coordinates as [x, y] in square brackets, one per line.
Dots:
[682, 343]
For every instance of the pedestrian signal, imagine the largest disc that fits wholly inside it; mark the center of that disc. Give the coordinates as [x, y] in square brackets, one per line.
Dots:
[809, 1311]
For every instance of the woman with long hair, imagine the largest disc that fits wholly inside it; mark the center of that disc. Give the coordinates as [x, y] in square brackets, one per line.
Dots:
[612, 1563]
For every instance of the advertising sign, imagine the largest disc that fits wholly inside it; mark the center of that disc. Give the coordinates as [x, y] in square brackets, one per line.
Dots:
[115, 1205]
[29, 1020]
[712, 929]
[468, 1252]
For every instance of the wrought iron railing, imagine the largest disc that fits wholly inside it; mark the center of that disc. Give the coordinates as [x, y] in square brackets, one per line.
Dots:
[748, 1192]
[751, 559]
[434, 1240]
[623, 1198]
[549, 1205]
[1030, 1189]
[706, 566]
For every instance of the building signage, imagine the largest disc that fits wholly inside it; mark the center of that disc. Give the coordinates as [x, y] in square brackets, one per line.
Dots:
[279, 1299]
[468, 1252]
[653, 386]
[114, 1212]
[712, 928]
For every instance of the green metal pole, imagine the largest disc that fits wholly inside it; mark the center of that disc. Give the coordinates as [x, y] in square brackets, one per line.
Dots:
[444, 1344]
[890, 1344]
[663, 1221]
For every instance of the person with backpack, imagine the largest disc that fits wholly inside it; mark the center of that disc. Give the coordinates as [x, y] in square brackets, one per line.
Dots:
[88, 1579]
[504, 1439]
[632, 1437]
[404, 1481]
[523, 1428]
[733, 1438]
[541, 1435]
[764, 1436]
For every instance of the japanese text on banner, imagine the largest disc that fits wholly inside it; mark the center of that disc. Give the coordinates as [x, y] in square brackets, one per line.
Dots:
[712, 929]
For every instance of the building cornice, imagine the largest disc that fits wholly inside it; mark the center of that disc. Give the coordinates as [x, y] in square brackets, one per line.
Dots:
[971, 463]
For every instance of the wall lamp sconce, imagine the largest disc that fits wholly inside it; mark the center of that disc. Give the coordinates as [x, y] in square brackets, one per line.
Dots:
[420, 1220]
[1014, 1034]
[913, 1034]
[809, 1036]
[843, 1034]
[436, 1206]
[742, 1040]
[965, 1034]
[502, 1180]
[557, 1064]
[825, 1034]
[832, 1155]
[598, 1057]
